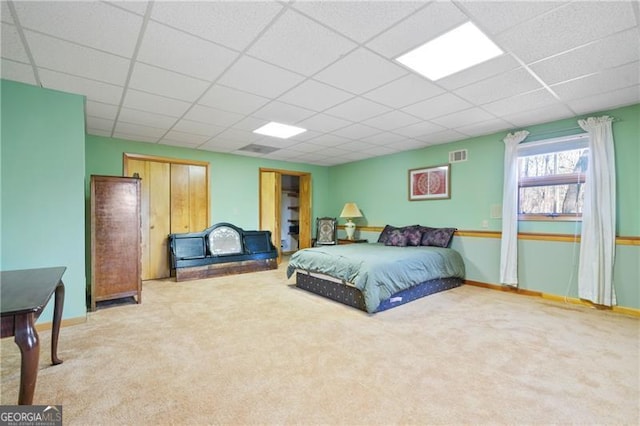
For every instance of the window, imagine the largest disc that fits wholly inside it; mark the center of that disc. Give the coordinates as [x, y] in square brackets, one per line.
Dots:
[551, 178]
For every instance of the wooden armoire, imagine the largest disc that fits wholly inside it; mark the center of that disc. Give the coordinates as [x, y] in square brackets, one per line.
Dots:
[175, 199]
[116, 239]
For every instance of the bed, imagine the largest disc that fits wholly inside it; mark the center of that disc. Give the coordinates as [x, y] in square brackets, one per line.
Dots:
[377, 276]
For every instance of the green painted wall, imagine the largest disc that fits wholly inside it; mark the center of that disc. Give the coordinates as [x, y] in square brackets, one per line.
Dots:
[380, 188]
[42, 150]
[233, 182]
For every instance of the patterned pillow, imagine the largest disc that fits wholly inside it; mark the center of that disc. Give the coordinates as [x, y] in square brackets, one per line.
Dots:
[413, 234]
[384, 235]
[437, 237]
[396, 238]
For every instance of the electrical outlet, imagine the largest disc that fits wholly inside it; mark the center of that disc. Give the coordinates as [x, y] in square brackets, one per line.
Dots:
[485, 224]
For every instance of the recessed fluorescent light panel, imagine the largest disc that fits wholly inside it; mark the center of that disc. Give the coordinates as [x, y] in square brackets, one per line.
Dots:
[279, 130]
[459, 49]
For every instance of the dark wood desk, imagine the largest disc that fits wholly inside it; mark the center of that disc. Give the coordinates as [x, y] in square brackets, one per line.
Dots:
[23, 296]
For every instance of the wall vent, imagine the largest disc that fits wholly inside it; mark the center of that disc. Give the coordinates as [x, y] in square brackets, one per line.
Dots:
[458, 156]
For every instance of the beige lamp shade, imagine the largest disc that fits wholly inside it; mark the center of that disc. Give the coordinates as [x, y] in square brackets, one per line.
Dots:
[350, 210]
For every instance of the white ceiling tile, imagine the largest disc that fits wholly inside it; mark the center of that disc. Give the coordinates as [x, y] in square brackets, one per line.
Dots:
[602, 82]
[159, 104]
[404, 91]
[187, 143]
[17, 71]
[329, 140]
[437, 106]
[314, 95]
[424, 25]
[299, 44]
[357, 109]
[276, 142]
[360, 71]
[98, 132]
[357, 146]
[12, 47]
[307, 147]
[378, 150]
[610, 52]
[5, 13]
[538, 116]
[282, 113]
[520, 103]
[286, 155]
[135, 137]
[260, 78]
[228, 23]
[406, 144]
[166, 83]
[463, 118]
[233, 100]
[484, 70]
[91, 23]
[98, 123]
[218, 144]
[197, 128]
[333, 151]
[384, 138]
[213, 116]
[356, 131]
[305, 136]
[442, 137]
[564, 28]
[391, 120]
[602, 101]
[137, 6]
[139, 130]
[497, 16]
[484, 128]
[499, 87]
[135, 116]
[358, 19]
[419, 129]
[82, 61]
[235, 135]
[250, 124]
[183, 138]
[323, 123]
[93, 90]
[174, 50]
[102, 110]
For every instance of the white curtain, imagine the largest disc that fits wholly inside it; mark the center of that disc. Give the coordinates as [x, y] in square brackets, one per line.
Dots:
[598, 240]
[509, 244]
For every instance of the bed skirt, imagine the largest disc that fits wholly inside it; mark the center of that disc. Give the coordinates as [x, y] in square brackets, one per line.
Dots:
[352, 296]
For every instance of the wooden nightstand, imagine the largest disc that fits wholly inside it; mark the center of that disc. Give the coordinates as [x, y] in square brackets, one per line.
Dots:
[345, 241]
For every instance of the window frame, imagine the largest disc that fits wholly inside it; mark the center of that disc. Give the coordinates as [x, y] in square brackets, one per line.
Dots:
[549, 146]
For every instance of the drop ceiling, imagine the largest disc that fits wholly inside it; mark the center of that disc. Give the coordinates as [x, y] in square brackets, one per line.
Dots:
[203, 75]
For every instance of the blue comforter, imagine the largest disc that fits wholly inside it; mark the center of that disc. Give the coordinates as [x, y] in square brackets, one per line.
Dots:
[378, 270]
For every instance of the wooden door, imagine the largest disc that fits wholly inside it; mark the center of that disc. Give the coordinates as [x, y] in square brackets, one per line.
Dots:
[304, 212]
[270, 214]
[155, 210]
[270, 192]
[175, 199]
[189, 198]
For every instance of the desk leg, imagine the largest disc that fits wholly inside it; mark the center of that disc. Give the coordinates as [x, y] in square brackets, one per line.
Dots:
[27, 340]
[58, 304]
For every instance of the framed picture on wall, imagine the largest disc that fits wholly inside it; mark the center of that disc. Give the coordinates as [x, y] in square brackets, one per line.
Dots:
[430, 183]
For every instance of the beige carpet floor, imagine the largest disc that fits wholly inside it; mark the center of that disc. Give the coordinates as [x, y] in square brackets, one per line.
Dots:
[253, 350]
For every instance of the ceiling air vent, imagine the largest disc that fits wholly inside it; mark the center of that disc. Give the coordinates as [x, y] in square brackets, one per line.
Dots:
[458, 156]
[259, 149]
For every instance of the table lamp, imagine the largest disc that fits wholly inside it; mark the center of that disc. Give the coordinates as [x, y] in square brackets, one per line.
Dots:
[349, 212]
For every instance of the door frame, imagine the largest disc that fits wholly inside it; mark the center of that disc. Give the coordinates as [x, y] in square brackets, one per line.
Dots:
[305, 206]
